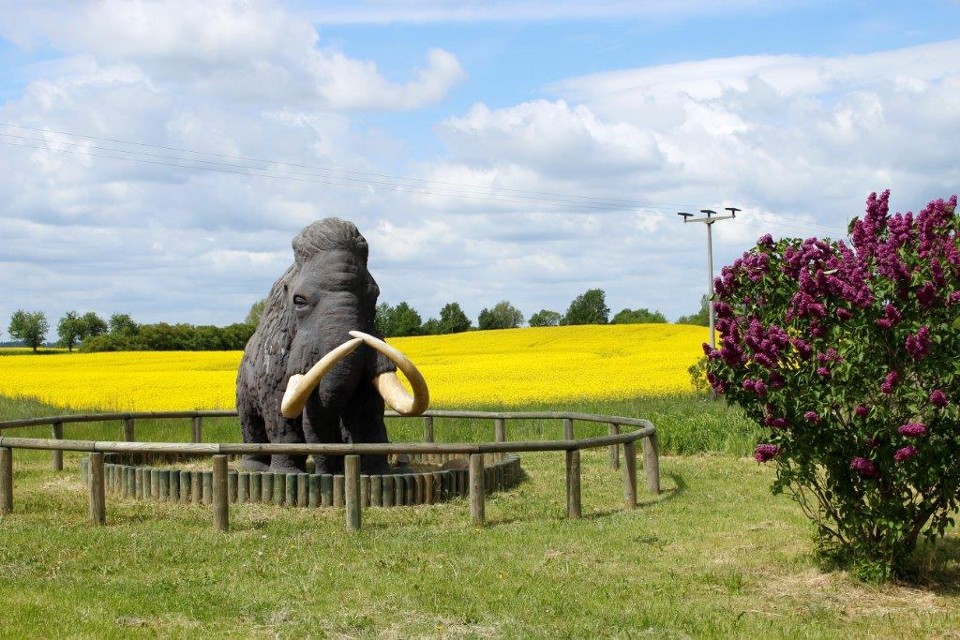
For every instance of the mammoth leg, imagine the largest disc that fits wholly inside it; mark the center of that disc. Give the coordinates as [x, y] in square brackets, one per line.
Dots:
[323, 427]
[363, 422]
[253, 430]
[285, 431]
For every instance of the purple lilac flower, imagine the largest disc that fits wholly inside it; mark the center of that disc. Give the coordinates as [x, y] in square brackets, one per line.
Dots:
[861, 410]
[864, 467]
[812, 417]
[776, 423]
[804, 350]
[927, 295]
[891, 316]
[718, 384]
[954, 297]
[889, 382]
[763, 360]
[938, 398]
[905, 453]
[843, 314]
[765, 452]
[918, 344]
[776, 380]
[823, 372]
[912, 429]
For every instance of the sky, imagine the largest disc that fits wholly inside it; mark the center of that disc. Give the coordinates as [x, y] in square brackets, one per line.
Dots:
[157, 158]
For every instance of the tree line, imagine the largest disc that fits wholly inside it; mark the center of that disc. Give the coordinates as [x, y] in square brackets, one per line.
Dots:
[90, 332]
[589, 307]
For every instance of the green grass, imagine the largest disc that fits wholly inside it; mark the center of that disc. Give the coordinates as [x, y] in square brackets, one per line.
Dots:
[686, 424]
[715, 555]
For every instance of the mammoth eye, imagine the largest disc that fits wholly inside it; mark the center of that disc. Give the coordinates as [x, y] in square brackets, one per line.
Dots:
[299, 301]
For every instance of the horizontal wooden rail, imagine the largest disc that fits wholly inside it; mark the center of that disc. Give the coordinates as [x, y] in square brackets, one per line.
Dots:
[109, 417]
[387, 448]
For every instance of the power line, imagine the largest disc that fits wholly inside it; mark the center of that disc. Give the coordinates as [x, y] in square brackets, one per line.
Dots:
[364, 179]
[156, 154]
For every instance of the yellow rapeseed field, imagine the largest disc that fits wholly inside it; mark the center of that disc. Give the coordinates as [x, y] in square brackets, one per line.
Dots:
[512, 367]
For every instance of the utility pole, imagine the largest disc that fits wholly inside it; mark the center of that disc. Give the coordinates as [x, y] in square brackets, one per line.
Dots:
[710, 217]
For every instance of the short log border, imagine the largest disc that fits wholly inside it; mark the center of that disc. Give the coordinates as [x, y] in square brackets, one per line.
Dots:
[161, 480]
[216, 488]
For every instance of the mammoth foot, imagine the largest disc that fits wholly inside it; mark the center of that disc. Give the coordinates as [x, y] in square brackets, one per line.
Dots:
[255, 463]
[375, 465]
[369, 465]
[288, 464]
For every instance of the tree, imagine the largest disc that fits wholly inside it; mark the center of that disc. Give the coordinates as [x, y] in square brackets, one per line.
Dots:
[701, 317]
[92, 325]
[545, 318]
[638, 316]
[589, 307]
[30, 327]
[430, 327]
[236, 336]
[70, 329]
[401, 320]
[74, 329]
[406, 320]
[384, 319]
[256, 310]
[453, 319]
[121, 324]
[503, 316]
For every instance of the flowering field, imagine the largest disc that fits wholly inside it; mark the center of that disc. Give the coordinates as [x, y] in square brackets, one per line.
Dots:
[512, 367]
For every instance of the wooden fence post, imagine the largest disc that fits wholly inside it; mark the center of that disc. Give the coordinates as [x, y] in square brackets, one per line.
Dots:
[573, 484]
[351, 489]
[567, 429]
[614, 449]
[56, 457]
[499, 430]
[197, 432]
[651, 463]
[630, 474]
[221, 496]
[477, 486]
[128, 430]
[428, 428]
[6, 480]
[98, 502]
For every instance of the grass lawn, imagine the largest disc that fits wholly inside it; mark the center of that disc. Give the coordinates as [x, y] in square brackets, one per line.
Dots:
[715, 555]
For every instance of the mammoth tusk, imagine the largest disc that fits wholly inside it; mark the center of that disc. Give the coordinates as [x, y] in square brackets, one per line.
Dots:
[388, 384]
[300, 386]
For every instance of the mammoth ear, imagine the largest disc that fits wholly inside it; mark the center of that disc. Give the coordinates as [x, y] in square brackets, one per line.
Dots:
[372, 291]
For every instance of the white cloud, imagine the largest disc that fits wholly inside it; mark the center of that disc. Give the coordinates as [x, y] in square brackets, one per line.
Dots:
[250, 52]
[550, 135]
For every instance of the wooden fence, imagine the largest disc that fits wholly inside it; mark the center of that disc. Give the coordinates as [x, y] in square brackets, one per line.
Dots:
[219, 452]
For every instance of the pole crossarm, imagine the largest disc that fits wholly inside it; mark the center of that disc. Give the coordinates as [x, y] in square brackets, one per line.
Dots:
[709, 219]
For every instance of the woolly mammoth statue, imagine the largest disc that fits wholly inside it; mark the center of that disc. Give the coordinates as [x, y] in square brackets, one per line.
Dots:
[314, 370]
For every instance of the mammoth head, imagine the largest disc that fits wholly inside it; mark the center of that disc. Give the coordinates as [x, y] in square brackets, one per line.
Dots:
[329, 283]
[327, 294]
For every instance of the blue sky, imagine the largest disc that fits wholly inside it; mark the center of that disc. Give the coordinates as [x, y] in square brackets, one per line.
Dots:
[520, 150]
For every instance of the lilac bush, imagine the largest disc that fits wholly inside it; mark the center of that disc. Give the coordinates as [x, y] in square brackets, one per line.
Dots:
[848, 352]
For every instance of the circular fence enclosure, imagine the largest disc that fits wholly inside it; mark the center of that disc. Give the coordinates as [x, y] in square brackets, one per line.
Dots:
[434, 472]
